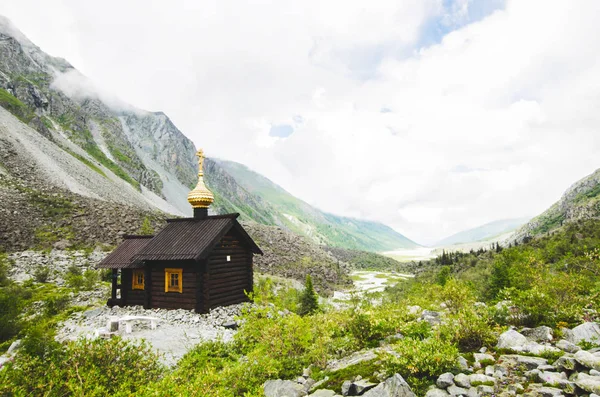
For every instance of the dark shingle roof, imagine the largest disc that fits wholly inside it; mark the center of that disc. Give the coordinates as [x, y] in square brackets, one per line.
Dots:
[120, 258]
[192, 238]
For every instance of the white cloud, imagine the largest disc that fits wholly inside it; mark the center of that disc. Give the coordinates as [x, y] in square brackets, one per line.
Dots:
[512, 98]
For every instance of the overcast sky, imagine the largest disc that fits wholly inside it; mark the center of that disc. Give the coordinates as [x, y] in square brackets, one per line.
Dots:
[432, 116]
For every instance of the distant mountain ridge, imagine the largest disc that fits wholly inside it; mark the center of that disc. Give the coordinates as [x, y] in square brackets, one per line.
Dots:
[145, 150]
[580, 201]
[269, 203]
[483, 232]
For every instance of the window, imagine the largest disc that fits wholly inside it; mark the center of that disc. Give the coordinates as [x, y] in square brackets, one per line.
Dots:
[138, 279]
[173, 280]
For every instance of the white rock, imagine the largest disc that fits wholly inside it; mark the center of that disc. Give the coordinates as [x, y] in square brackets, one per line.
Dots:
[512, 340]
[589, 332]
[445, 380]
[588, 383]
[567, 346]
[462, 380]
[436, 393]
[587, 359]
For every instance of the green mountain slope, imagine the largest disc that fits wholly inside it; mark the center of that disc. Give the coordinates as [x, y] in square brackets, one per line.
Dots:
[580, 201]
[268, 203]
[483, 232]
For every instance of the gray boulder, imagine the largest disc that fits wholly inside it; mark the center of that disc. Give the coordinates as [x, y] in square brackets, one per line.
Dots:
[589, 332]
[566, 363]
[359, 387]
[512, 340]
[588, 383]
[567, 346]
[553, 378]
[462, 363]
[13, 347]
[548, 392]
[457, 391]
[283, 388]
[462, 380]
[526, 361]
[445, 380]
[481, 379]
[433, 318]
[538, 349]
[436, 393]
[539, 334]
[323, 393]
[353, 359]
[483, 357]
[395, 386]
[587, 359]
[485, 390]
[346, 387]
[472, 392]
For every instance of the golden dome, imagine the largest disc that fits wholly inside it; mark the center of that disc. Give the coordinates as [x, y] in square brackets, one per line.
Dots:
[200, 197]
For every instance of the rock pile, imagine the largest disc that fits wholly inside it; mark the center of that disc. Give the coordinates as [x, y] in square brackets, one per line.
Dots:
[27, 263]
[575, 372]
[394, 386]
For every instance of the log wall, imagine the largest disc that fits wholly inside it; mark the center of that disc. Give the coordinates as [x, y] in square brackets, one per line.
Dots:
[173, 300]
[227, 281]
[130, 296]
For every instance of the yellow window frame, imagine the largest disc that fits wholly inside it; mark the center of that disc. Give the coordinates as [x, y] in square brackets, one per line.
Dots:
[137, 281]
[173, 280]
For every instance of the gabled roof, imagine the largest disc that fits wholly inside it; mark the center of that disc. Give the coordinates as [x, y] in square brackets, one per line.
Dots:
[192, 238]
[120, 258]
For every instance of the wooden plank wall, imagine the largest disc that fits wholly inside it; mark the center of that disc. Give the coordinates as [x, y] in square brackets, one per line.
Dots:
[132, 297]
[226, 282]
[173, 300]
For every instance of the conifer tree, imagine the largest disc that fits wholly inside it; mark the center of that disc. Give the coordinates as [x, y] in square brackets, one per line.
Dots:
[309, 300]
[146, 229]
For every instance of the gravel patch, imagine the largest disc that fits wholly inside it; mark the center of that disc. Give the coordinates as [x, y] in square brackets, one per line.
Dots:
[176, 333]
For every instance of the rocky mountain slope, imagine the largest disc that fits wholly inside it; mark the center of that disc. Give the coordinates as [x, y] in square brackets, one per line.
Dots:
[580, 201]
[123, 145]
[483, 232]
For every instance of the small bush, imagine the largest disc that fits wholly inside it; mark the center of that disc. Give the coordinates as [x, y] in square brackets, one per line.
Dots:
[11, 304]
[41, 274]
[90, 279]
[55, 304]
[74, 277]
[82, 368]
[420, 362]
[469, 330]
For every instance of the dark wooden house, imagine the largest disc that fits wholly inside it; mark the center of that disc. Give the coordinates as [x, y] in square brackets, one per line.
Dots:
[193, 263]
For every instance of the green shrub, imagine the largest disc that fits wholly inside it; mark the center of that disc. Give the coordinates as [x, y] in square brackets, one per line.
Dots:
[146, 228]
[83, 368]
[416, 330]
[11, 304]
[4, 266]
[74, 277]
[469, 330]
[41, 274]
[55, 304]
[91, 278]
[420, 362]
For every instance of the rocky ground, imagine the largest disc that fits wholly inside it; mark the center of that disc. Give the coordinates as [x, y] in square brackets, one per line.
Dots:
[177, 331]
[26, 264]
